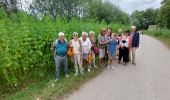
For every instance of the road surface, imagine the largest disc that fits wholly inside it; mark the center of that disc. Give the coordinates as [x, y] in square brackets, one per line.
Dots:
[148, 80]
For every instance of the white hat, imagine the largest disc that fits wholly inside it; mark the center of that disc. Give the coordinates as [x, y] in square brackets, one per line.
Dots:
[60, 34]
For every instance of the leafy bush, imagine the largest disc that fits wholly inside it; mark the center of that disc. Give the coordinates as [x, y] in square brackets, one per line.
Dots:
[164, 33]
[25, 45]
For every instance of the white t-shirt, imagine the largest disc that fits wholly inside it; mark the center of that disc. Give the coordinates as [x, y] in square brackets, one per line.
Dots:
[86, 45]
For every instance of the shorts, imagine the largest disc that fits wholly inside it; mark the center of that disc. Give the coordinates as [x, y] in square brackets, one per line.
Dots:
[101, 53]
[85, 56]
[112, 55]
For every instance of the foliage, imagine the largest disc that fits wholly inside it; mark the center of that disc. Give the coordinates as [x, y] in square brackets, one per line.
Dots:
[142, 19]
[25, 43]
[163, 15]
[164, 33]
[97, 10]
[161, 34]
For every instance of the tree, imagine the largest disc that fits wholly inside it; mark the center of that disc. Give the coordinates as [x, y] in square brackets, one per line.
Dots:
[81, 9]
[146, 17]
[10, 5]
[164, 13]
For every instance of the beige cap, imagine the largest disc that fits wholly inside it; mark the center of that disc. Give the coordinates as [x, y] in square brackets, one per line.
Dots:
[60, 34]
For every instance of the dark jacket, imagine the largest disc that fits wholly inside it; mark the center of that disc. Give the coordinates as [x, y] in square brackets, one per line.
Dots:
[135, 39]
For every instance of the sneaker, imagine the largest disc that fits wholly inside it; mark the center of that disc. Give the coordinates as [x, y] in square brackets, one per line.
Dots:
[88, 69]
[108, 67]
[101, 65]
[118, 62]
[113, 67]
[67, 75]
[95, 66]
[56, 80]
[75, 74]
[134, 63]
[125, 63]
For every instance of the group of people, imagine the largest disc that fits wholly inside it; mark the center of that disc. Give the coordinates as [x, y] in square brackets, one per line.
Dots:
[109, 48]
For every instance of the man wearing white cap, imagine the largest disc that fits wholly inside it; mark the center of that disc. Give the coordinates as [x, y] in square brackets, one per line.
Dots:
[134, 43]
[60, 47]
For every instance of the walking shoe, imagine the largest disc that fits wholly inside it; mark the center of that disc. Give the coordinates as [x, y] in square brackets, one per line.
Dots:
[88, 69]
[95, 66]
[100, 65]
[75, 74]
[56, 80]
[108, 67]
[134, 63]
[125, 63]
[67, 75]
[113, 67]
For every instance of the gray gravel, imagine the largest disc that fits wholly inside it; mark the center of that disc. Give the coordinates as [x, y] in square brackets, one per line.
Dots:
[148, 80]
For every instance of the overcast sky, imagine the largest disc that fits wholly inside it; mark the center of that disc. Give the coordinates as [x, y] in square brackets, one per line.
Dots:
[130, 5]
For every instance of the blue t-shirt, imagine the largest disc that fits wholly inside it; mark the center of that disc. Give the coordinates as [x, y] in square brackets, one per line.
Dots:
[112, 45]
[61, 48]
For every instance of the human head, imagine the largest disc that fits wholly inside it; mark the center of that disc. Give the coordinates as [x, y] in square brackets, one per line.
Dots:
[127, 32]
[84, 35]
[75, 35]
[109, 31]
[103, 31]
[113, 35]
[61, 36]
[120, 31]
[91, 33]
[133, 28]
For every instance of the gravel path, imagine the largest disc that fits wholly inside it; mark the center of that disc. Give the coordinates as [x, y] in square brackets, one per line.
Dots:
[148, 80]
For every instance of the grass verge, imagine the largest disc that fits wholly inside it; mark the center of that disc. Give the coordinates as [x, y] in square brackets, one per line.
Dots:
[48, 89]
[161, 34]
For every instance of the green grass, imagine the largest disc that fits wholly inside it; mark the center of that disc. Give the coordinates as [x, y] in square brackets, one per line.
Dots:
[45, 90]
[161, 34]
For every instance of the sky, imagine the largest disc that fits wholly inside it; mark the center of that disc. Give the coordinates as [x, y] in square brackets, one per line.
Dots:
[126, 5]
[130, 5]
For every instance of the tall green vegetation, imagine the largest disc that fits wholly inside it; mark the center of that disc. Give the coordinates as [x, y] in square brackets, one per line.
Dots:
[142, 19]
[97, 10]
[25, 43]
[151, 16]
[163, 15]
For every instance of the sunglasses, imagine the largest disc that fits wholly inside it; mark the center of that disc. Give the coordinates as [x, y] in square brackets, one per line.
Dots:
[75, 35]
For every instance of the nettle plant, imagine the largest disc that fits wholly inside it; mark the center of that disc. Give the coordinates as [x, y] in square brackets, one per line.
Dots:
[25, 44]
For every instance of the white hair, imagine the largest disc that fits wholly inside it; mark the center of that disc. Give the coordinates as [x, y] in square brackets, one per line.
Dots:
[133, 27]
[60, 34]
[92, 32]
[75, 33]
[84, 33]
